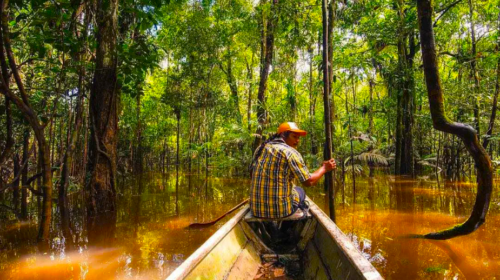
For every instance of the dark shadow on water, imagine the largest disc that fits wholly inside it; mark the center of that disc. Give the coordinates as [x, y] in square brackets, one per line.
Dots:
[101, 230]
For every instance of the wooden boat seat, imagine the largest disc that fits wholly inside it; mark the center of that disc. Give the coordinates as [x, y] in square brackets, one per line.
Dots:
[297, 216]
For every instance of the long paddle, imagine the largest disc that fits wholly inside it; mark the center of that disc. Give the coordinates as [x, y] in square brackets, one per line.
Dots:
[202, 225]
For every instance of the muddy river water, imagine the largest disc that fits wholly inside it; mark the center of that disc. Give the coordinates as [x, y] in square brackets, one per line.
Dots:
[149, 237]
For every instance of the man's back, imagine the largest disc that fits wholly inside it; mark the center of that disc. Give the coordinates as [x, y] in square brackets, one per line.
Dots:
[271, 193]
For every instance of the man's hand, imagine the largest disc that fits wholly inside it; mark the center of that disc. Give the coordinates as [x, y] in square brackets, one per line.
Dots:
[329, 165]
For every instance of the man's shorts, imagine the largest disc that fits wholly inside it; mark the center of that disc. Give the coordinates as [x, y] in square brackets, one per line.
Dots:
[301, 194]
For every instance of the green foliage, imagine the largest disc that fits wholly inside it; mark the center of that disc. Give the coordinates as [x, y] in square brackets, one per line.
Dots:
[200, 62]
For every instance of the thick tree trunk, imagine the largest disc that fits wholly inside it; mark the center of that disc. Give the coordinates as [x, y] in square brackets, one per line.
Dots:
[464, 132]
[406, 92]
[31, 117]
[9, 143]
[101, 182]
[272, 24]
[409, 117]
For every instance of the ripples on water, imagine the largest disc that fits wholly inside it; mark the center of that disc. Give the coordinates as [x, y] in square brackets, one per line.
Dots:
[150, 238]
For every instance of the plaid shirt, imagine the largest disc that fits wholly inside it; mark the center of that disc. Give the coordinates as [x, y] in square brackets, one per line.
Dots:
[272, 189]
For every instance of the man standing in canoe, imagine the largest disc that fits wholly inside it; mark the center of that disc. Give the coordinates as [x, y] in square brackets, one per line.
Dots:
[275, 165]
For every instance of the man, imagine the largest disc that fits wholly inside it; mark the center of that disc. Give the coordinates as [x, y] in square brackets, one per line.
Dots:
[276, 164]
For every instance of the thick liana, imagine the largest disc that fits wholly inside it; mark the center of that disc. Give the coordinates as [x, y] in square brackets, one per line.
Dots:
[466, 133]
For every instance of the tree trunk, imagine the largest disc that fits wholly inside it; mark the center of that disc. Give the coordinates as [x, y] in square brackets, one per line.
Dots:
[351, 138]
[177, 161]
[464, 132]
[399, 136]
[9, 143]
[331, 20]
[406, 92]
[100, 186]
[231, 81]
[272, 24]
[327, 151]
[29, 114]
[69, 154]
[15, 185]
[312, 105]
[24, 176]
[250, 90]
[138, 161]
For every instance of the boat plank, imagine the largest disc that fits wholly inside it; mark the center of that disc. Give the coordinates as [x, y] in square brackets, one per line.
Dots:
[246, 266]
[344, 261]
[216, 256]
[257, 243]
[313, 266]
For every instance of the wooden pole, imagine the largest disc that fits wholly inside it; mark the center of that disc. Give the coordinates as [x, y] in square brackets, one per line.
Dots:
[327, 151]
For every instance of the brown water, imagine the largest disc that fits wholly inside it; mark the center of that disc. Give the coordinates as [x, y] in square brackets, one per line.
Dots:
[150, 238]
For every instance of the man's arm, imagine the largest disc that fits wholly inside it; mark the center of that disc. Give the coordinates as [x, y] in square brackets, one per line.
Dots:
[326, 167]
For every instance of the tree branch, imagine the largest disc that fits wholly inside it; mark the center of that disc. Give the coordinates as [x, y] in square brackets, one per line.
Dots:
[444, 11]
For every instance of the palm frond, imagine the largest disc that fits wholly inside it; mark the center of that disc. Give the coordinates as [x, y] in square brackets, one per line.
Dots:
[358, 169]
[372, 157]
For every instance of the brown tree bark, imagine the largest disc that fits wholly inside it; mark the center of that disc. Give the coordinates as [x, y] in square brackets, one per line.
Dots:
[327, 151]
[101, 183]
[405, 95]
[31, 117]
[272, 24]
[9, 142]
[464, 132]
[331, 21]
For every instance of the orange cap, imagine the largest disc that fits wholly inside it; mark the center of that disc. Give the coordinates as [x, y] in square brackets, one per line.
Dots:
[291, 126]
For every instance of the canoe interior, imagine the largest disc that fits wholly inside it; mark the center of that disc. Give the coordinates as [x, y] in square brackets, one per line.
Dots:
[314, 248]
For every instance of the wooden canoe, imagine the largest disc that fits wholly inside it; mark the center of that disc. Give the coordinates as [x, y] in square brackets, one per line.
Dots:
[238, 250]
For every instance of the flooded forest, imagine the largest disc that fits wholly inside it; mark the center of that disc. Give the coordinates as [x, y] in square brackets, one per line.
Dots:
[122, 122]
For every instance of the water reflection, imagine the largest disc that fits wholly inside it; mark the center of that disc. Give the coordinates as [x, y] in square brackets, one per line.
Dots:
[147, 237]
[390, 207]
